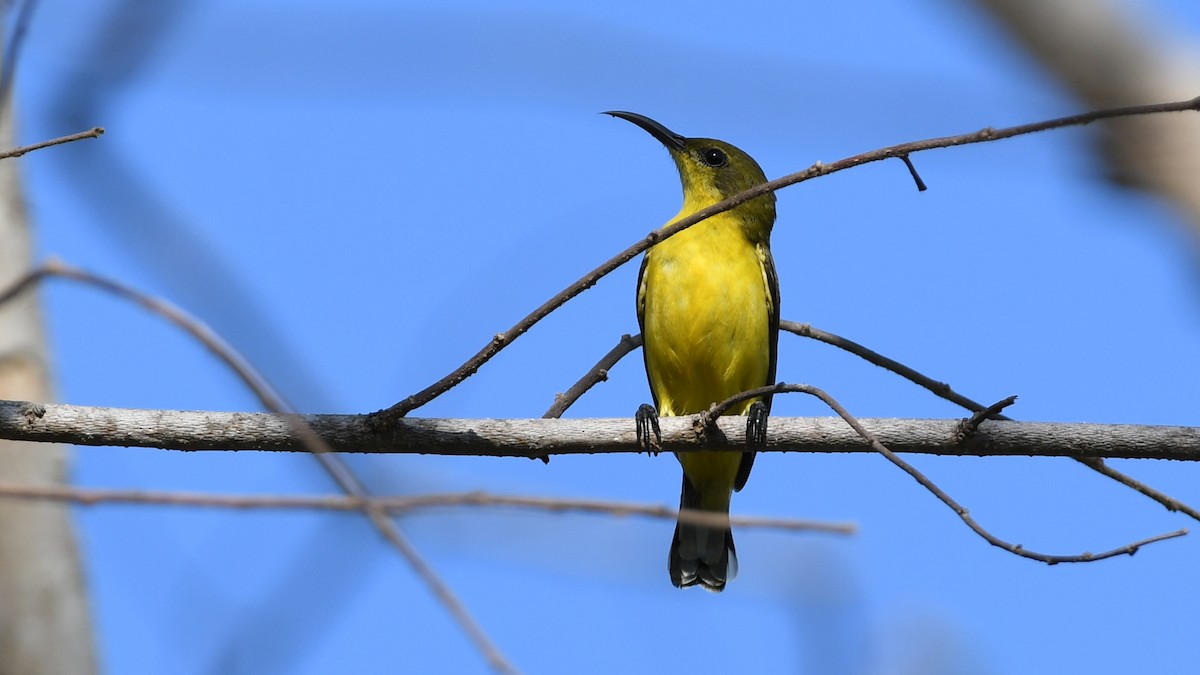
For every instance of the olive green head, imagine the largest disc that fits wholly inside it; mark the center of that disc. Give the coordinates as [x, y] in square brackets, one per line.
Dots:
[711, 171]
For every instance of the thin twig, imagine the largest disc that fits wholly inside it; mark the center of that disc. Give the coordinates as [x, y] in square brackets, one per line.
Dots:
[350, 483]
[912, 171]
[939, 388]
[309, 439]
[397, 505]
[387, 417]
[1015, 549]
[197, 329]
[1170, 503]
[945, 391]
[95, 132]
[597, 374]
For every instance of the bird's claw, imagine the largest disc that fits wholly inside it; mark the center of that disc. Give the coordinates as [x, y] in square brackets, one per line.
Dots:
[649, 435]
[756, 427]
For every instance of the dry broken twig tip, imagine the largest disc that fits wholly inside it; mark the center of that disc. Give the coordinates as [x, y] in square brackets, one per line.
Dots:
[968, 426]
[912, 171]
[96, 132]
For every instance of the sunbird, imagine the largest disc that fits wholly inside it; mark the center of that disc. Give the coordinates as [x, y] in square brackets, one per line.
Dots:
[708, 309]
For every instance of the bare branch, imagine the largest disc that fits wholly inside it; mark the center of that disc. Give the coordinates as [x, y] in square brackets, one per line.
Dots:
[598, 373]
[386, 417]
[944, 390]
[191, 430]
[405, 505]
[1170, 503]
[95, 132]
[925, 482]
[304, 436]
[938, 388]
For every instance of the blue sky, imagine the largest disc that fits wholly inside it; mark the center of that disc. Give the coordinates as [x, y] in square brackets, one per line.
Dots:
[358, 196]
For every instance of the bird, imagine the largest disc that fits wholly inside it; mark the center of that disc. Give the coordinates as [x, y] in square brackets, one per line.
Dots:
[708, 310]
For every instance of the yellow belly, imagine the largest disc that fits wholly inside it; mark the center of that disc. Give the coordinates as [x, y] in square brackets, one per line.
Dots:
[706, 314]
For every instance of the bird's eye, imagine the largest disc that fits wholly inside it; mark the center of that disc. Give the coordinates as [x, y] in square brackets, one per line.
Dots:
[714, 157]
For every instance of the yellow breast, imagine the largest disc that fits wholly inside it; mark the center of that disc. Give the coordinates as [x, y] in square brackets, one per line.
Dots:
[705, 309]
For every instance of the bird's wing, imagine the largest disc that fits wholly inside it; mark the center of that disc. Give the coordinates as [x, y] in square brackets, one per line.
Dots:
[771, 281]
[641, 317]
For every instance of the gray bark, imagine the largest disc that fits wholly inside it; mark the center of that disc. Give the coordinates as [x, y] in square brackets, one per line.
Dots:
[191, 430]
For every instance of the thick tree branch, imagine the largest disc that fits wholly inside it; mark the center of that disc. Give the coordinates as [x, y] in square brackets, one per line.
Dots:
[188, 430]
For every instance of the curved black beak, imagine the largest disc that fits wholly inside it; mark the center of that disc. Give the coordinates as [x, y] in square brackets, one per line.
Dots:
[669, 138]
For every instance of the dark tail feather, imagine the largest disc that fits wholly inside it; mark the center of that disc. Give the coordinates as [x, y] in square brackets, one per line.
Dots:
[701, 554]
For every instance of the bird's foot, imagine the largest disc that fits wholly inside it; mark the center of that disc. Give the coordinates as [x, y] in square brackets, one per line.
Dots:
[756, 427]
[649, 435]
